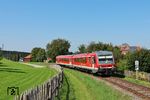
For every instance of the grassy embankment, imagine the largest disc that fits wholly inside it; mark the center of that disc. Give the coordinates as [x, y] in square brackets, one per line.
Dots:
[122, 65]
[78, 86]
[139, 82]
[22, 76]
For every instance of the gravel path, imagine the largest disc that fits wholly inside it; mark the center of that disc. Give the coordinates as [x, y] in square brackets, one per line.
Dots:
[33, 65]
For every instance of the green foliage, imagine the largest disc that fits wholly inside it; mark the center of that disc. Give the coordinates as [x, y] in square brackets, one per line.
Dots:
[117, 54]
[57, 47]
[143, 56]
[14, 55]
[103, 46]
[41, 55]
[122, 65]
[99, 46]
[82, 48]
[139, 82]
[38, 54]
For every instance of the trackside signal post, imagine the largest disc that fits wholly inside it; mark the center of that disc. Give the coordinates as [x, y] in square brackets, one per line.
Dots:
[137, 68]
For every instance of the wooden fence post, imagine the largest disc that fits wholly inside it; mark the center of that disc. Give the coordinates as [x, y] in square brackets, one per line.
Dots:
[46, 91]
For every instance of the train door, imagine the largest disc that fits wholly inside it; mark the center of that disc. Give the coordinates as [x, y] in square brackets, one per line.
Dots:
[70, 61]
[93, 62]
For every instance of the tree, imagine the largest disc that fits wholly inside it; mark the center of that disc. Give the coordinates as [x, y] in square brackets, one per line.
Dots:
[82, 48]
[57, 47]
[41, 55]
[34, 53]
[38, 54]
[143, 56]
[99, 46]
[117, 54]
[91, 47]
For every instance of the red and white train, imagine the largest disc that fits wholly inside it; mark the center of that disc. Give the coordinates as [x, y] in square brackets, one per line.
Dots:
[96, 62]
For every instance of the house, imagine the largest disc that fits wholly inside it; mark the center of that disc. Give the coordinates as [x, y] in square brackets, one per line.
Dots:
[27, 58]
[125, 48]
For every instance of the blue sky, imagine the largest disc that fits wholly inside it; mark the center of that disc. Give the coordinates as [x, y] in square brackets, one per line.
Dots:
[25, 24]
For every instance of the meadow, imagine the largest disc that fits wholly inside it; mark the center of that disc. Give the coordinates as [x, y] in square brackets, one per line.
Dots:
[14, 74]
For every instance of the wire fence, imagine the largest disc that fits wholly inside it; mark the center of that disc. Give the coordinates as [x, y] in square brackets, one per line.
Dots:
[141, 75]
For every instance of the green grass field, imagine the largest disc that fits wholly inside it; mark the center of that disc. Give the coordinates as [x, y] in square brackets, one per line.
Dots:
[40, 63]
[78, 86]
[22, 76]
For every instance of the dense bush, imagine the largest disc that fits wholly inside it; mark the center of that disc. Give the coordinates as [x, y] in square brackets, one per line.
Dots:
[122, 65]
[143, 56]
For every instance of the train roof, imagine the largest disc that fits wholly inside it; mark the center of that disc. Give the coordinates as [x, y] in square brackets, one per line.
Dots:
[86, 54]
[103, 52]
[64, 56]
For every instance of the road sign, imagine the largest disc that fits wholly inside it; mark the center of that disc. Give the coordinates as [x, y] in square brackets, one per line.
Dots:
[136, 65]
[137, 68]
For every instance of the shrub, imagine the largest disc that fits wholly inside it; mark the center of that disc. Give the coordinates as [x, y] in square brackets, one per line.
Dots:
[122, 65]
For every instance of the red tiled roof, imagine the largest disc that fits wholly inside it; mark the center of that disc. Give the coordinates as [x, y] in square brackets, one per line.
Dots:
[29, 56]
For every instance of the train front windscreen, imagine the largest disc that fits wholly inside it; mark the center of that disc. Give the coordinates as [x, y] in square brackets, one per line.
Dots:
[106, 59]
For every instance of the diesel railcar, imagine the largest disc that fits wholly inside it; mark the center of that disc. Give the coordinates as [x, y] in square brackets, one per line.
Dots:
[96, 62]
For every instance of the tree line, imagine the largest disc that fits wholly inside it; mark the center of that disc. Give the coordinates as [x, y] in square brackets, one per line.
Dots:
[96, 46]
[13, 55]
[61, 47]
[123, 62]
[128, 61]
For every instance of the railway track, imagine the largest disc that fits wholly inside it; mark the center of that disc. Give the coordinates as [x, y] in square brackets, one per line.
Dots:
[138, 90]
[135, 89]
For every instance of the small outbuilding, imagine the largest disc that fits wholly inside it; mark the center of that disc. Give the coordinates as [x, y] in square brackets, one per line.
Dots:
[48, 60]
[27, 58]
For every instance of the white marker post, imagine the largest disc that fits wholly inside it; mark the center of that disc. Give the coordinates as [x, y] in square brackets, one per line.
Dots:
[136, 68]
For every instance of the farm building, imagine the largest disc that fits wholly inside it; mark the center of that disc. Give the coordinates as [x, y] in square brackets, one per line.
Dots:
[27, 58]
[125, 48]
